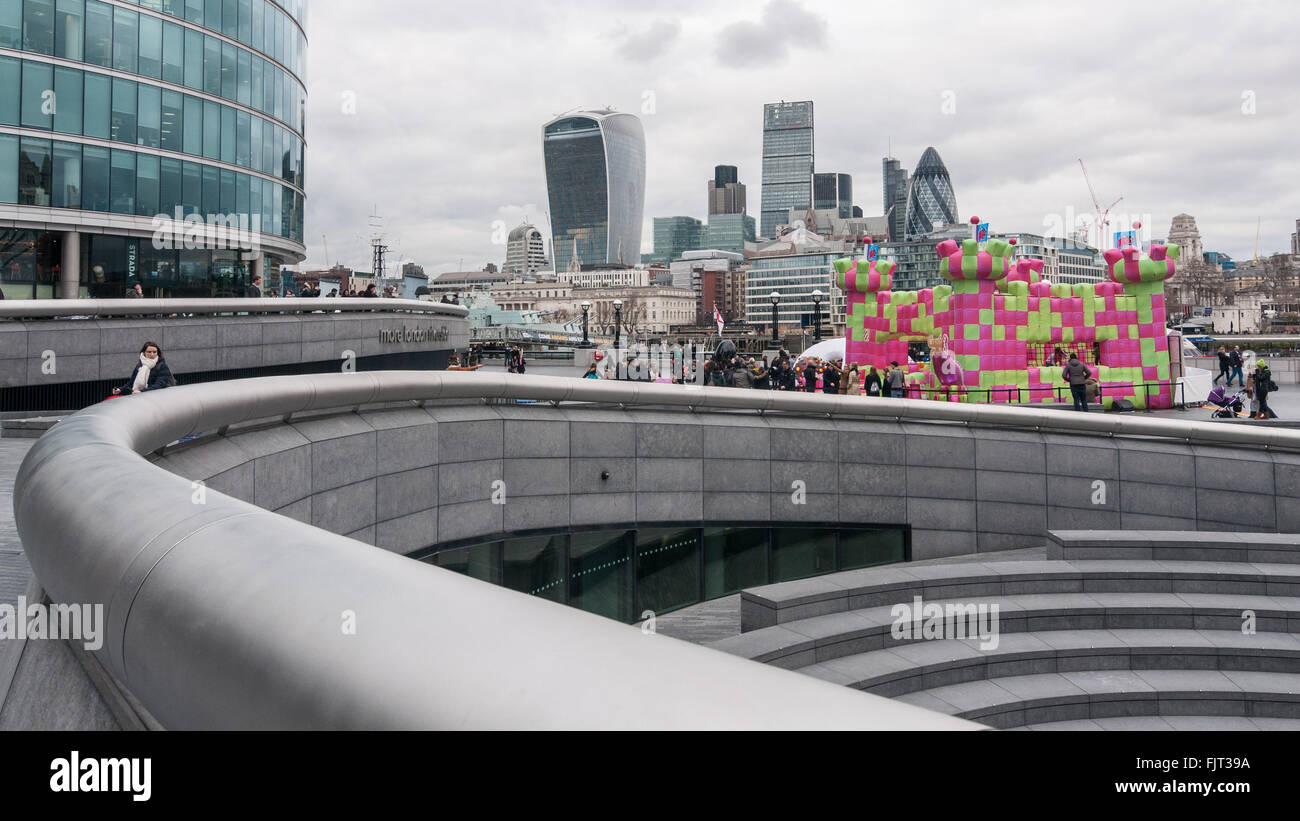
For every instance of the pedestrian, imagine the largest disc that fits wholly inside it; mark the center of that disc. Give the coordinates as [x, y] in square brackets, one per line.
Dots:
[150, 374]
[854, 380]
[135, 292]
[1077, 374]
[873, 382]
[742, 376]
[763, 376]
[1225, 367]
[831, 379]
[810, 377]
[591, 373]
[1261, 384]
[896, 380]
[1235, 360]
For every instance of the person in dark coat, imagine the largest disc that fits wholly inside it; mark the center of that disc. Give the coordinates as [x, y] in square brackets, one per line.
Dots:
[831, 379]
[151, 372]
[1225, 367]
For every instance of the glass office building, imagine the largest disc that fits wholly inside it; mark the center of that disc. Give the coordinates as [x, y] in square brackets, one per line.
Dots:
[787, 163]
[595, 183]
[673, 235]
[728, 232]
[931, 204]
[833, 192]
[119, 118]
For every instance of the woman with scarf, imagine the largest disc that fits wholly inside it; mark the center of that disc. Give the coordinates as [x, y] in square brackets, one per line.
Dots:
[150, 374]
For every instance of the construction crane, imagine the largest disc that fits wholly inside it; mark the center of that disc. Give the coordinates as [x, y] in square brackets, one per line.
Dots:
[1102, 217]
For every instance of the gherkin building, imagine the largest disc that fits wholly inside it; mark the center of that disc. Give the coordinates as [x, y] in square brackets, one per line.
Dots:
[931, 203]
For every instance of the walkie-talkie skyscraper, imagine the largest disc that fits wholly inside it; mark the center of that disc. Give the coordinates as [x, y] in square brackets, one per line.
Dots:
[595, 183]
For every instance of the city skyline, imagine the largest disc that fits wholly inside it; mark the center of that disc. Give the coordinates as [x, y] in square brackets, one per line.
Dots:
[1170, 135]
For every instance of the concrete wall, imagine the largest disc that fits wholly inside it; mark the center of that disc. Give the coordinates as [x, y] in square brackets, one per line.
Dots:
[93, 349]
[406, 478]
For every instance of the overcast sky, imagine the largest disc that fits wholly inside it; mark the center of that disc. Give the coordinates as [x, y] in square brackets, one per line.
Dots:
[432, 112]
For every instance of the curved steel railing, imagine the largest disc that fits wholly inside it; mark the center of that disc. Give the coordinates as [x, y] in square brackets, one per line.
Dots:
[220, 614]
[94, 308]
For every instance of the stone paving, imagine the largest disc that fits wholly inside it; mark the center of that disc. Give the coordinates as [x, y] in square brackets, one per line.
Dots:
[14, 571]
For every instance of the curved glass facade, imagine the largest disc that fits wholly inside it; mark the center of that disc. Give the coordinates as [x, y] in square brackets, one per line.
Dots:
[595, 182]
[620, 573]
[931, 203]
[182, 108]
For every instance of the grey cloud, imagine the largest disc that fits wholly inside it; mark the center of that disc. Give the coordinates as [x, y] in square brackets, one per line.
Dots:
[785, 25]
[655, 40]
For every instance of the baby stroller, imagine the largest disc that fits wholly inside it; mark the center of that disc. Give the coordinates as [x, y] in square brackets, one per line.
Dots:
[1225, 406]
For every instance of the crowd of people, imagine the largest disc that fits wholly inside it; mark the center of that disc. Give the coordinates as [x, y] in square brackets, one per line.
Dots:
[783, 372]
[312, 290]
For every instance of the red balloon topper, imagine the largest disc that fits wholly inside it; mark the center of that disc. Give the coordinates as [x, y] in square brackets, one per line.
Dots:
[1137, 224]
[866, 240]
[974, 220]
[1012, 240]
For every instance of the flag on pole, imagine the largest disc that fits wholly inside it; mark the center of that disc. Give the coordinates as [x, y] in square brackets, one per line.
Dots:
[1123, 239]
[982, 232]
[873, 253]
[717, 317]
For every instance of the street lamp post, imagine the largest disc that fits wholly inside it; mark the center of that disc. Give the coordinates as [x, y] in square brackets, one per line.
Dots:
[586, 306]
[618, 327]
[776, 300]
[817, 315]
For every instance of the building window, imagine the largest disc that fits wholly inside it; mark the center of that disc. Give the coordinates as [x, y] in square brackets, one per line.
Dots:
[94, 178]
[38, 84]
[173, 54]
[126, 40]
[69, 29]
[124, 111]
[65, 186]
[67, 95]
[35, 170]
[121, 182]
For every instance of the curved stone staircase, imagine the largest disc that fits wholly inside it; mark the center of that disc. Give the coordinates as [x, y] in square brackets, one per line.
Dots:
[1116, 629]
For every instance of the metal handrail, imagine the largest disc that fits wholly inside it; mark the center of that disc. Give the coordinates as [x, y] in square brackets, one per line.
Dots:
[220, 614]
[94, 308]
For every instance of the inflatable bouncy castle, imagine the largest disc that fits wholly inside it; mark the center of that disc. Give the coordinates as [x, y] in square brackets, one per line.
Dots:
[1003, 333]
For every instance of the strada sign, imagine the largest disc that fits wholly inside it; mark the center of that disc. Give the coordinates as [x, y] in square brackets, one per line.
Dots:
[405, 334]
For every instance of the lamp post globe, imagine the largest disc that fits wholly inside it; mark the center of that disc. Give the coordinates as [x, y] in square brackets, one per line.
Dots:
[776, 300]
[586, 307]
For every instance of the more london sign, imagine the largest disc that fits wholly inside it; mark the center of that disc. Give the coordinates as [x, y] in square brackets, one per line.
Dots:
[404, 334]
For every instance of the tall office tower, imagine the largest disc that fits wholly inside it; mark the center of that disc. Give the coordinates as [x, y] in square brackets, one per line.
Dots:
[1295, 240]
[833, 192]
[726, 194]
[894, 179]
[525, 251]
[931, 203]
[787, 162]
[595, 183]
[163, 110]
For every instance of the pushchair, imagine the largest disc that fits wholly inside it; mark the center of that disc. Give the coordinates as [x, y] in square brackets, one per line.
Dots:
[1225, 406]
